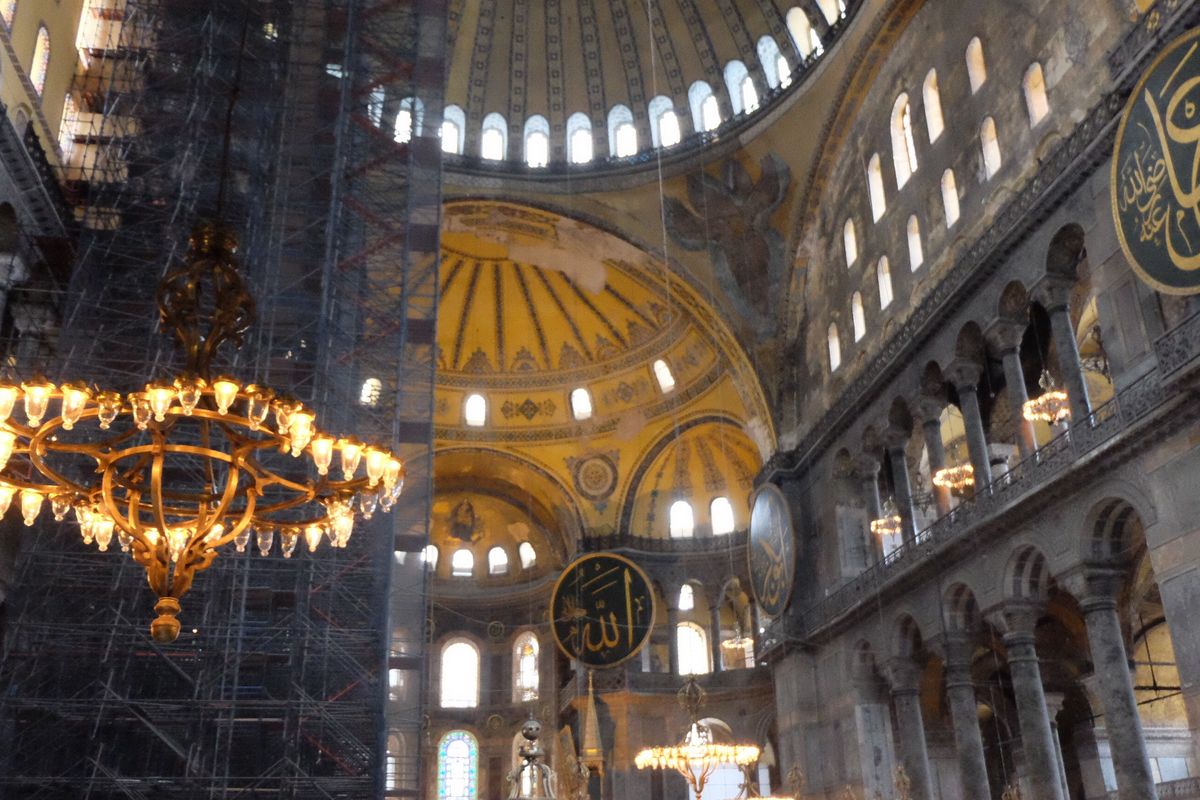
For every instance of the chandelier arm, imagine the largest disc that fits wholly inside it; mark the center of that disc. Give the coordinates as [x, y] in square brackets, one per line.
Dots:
[156, 470]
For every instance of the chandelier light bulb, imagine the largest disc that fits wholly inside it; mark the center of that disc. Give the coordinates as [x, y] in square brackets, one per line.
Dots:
[242, 539]
[160, 397]
[37, 400]
[300, 429]
[8, 440]
[124, 539]
[8, 401]
[392, 475]
[60, 504]
[312, 537]
[387, 500]
[367, 503]
[31, 506]
[189, 391]
[225, 391]
[258, 405]
[214, 534]
[84, 516]
[74, 401]
[287, 542]
[283, 416]
[139, 404]
[376, 464]
[322, 452]
[177, 541]
[108, 406]
[342, 526]
[265, 538]
[6, 497]
[103, 532]
[351, 455]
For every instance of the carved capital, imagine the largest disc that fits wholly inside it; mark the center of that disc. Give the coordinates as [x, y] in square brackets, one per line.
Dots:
[928, 409]
[1053, 292]
[867, 466]
[1097, 586]
[903, 675]
[1017, 618]
[963, 374]
[1005, 335]
[957, 649]
[896, 438]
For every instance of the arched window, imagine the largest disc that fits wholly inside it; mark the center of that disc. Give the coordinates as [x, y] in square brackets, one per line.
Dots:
[916, 253]
[784, 70]
[430, 556]
[662, 374]
[850, 242]
[706, 112]
[801, 31]
[497, 561]
[950, 197]
[41, 60]
[858, 316]
[682, 522]
[527, 555]
[687, 597]
[720, 512]
[454, 126]
[409, 119]
[475, 410]
[1036, 101]
[622, 136]
[875, 187]
[525, 668]
[904, 148]
[991, 147]
[462, 563]
[883, 272]
[493, 139]
[931, 95]
[664, 123]
[832, 9]
[460, 674]
[371, 390]
[749, 95]
[8, 10]
[581, 404]
[395, 683]
[375, 106]
[976, 68]
[736, 77]
[66, 126]
[580, 145]
[537, 141]
[768, 57]
[691, 642]
[835, 347]
[395, 751]
[458, 767]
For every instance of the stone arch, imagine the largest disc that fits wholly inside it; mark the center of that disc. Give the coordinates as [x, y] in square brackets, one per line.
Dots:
[932, 382]
[1066, 251]
[1113, 530]
[907, 641]
[900, 416]
[970, 344]
[960, 608]
[1027, 576]
[1013, 304]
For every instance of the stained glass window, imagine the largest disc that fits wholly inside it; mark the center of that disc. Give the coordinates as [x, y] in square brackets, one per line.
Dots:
[8, 10]
[458, 767]
[41, 60]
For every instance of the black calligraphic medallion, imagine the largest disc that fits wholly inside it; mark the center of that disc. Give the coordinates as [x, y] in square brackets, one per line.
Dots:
[772, 550]
[1156, 171]
[603, 610]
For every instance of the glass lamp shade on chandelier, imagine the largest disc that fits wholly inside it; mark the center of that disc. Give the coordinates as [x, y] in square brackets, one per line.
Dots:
[192, 463]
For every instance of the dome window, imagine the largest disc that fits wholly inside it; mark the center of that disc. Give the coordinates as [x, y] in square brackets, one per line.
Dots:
[720, 512]
[976, 67]
[580, 146]
[537, 142]
[770, 59]
[916, 253]
[662, 373]
[622, 136]
[736, 76]
[904, 147]
[430, 556]
[682, 521]
[784, 70]
[950, 197]
[883, 272]
[497, 561]
[832, 9]
[664, 123]
[850, 242]
[858, 316]
[370, 393]
[991, 147]
[493, 141]
[454, 123]
[475, 410]
[1036, 101]
[581, 404]
[527, 555]
[875, 188]
[749, 94]
[932, 97]
[706, 112]
[462, 563]
[835, 347]
[687, 597]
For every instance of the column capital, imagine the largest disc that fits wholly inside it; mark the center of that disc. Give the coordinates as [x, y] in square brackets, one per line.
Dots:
[1006, 334]
[896, 439]
[1053, 292]
[867, 466]
[903, 675]
[1017, 620]
[1095, 586]
[1054, 704]
[957, 648]
[928, 409]
[963, 374]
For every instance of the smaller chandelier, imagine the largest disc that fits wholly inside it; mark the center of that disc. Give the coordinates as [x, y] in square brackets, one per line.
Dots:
[956, 479]
[698, 755]
[1052, 405]
[890, 523]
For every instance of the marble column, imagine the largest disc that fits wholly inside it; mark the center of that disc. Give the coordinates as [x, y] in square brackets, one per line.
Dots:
[714, 614]
[673, 625]
[964, 714]
[1005, 336]
[905, 677]
[1131, 762]
[930, 411]
[901, 483]
[867, 467]
[1054, 704]
[964, 376]
[1055, 294]
[1037, 739]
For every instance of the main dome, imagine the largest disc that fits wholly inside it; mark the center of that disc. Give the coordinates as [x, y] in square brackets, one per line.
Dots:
[543, 87]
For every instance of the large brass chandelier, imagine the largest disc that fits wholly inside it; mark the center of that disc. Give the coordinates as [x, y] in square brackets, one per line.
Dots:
[192, 463]
[698, 755]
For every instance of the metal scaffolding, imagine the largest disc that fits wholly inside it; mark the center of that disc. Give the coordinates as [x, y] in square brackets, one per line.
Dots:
[301, 677]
